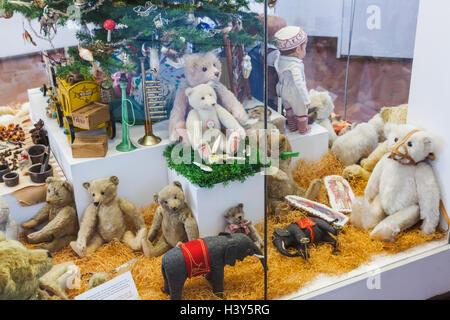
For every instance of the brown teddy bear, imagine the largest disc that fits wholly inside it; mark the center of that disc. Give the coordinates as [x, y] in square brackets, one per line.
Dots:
[175, 219]
[280, 182]
[20, 270]
[236, 223]
[60, 217]
[104, 220]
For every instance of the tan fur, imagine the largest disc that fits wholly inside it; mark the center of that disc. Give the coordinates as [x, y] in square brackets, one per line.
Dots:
[281, 184]
[174, 218]
[396, 115]
[105, 219]
[236, 215]
[59, 215]
[20, 270]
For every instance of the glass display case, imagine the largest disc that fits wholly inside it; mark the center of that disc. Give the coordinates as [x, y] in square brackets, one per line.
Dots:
[236, 150]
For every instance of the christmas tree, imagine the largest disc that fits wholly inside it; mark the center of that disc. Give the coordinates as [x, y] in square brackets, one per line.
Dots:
[123, 30]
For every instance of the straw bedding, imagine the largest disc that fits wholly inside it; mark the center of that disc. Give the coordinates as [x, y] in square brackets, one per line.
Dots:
[246, 279]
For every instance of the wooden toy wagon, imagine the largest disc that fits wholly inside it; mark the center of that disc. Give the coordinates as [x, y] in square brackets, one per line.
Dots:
[79, 109]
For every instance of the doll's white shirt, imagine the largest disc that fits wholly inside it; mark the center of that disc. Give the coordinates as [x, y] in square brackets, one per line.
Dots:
[291, 85]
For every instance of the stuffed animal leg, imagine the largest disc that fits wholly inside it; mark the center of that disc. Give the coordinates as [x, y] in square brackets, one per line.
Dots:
[387, 229]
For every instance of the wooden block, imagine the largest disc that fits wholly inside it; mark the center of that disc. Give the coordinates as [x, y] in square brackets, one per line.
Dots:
[94, 146]
[91, 115]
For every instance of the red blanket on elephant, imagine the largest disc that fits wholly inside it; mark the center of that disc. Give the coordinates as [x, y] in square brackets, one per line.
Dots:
[196, 256]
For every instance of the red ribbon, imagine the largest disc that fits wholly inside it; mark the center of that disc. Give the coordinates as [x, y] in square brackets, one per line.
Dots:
[307, 223]
[196, 256]
[240, 228]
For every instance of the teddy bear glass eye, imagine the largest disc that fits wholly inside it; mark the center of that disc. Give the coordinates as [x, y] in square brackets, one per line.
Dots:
[409, 144]
[396, 139]
[205, 69]
[103, 193]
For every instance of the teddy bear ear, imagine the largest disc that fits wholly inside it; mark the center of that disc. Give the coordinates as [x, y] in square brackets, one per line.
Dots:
[211, 84]
[68, 186]
[86, 185]
[178, 184]
[240, 206]
[114, 180]
[50, 180]
[156, 198]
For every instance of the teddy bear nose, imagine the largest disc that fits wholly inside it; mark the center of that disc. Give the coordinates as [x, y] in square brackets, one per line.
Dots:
[49, 254]
[217, 74]
[96, 204]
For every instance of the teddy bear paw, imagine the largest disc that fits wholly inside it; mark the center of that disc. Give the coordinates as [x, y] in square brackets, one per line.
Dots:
[79, 250]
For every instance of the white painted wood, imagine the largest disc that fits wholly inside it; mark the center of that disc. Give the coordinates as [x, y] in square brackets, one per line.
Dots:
[430, 82]
[209, 205]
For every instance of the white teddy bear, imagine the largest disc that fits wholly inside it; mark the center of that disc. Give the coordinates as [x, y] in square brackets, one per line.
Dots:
[206, 120]
[359, 142]
[8, 227]
[324, 107]
[402, 189]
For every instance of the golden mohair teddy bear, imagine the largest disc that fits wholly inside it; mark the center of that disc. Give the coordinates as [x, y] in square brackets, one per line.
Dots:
[174, 218]
[59, 216]
[104, 219]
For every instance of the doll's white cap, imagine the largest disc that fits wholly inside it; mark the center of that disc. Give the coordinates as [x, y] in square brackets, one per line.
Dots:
[290, 37]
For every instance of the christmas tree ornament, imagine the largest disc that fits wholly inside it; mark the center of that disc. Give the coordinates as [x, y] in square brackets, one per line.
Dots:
[153, 107]
[109, 25]
[246, 66]
[80, 4]
[27, 37]
[85, 54]
[159, 21]
[145, 11]
[48, 21]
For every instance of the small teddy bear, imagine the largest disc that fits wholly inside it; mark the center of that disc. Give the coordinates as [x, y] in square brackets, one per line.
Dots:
[59, 215]
[322, 106]
[237, 223]
[207, 118]
[402, 189]
[8, 227]
[104, 219]
[175, 219]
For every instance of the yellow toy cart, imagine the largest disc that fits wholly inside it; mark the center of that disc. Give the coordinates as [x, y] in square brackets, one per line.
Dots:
[79, 109]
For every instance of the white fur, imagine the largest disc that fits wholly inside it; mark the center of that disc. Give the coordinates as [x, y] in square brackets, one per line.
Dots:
[8, 226]
[405, 194]
[356, 144]
[324, 105]
[203, 100]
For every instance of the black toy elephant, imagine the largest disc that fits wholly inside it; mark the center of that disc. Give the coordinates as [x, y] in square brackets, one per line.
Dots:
[301, 233]
[207, 256]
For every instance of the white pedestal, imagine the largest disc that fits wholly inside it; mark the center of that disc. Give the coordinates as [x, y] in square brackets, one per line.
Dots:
[209, 205]
[141, 172]
[311, 146]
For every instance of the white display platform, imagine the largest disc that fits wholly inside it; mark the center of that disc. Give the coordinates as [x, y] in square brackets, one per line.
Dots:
[311, 146]
[419, 273]
[209, 205]
[141, 172]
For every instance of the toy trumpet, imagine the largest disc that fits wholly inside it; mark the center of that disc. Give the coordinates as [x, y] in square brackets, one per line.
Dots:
[154, 107]
[126, 145]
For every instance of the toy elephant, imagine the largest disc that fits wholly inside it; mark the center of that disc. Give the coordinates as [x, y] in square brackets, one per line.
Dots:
[207, 256]
[300, 233]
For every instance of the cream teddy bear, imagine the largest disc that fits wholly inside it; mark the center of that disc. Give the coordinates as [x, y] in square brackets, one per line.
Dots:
[8, 227]
[200, 68]
[402, 189]
[207, 118]
[104, 220]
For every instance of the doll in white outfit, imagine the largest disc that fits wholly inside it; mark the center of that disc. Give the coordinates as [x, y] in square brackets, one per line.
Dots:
[291, 87]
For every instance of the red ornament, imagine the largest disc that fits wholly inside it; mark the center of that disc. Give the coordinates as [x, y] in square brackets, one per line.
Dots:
[109, 25]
